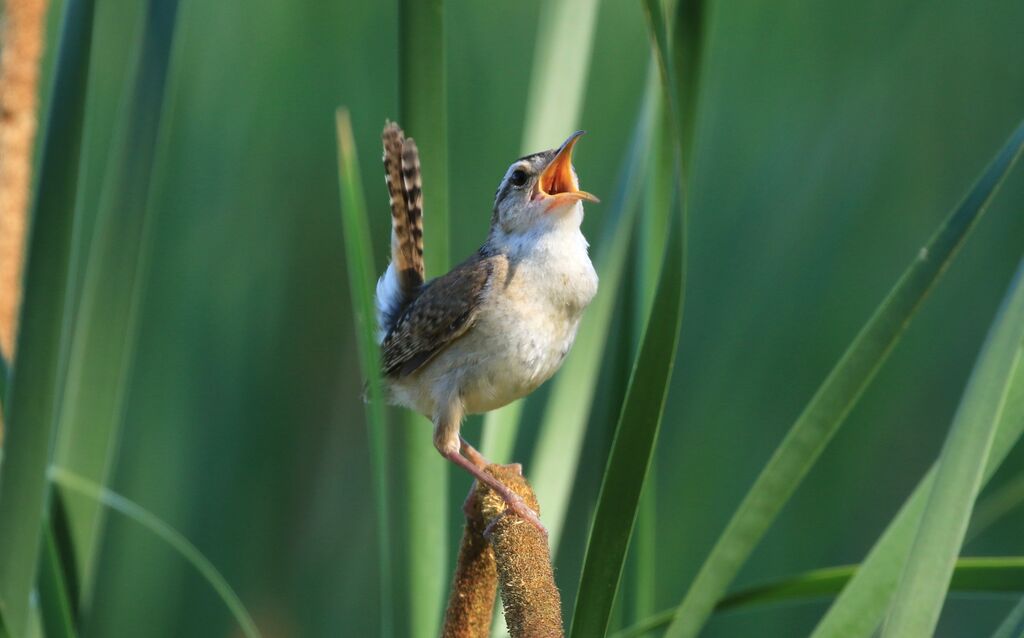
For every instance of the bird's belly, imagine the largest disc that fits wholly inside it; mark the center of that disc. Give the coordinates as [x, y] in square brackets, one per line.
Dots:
[523, 352]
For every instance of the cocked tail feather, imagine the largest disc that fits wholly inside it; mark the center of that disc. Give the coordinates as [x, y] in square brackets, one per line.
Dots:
[403, 279]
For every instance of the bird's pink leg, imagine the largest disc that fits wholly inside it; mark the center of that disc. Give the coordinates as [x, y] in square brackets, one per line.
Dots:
[452, 447]
[514, 502]
[473, 454]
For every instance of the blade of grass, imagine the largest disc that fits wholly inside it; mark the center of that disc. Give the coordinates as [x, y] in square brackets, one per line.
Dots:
[637, 429]
[32, 399]
[54, 601]
[865, 600]
[632, 448]
[1013, 625]
[103, 337]
[997, 574]
[652, 233]
[829, 406]
[566, 414]
[359, 262]
[922, 589]
[990, 509]
[423, 111]
[81, 485]
[986, 574]
[553, 105]
[574, 387]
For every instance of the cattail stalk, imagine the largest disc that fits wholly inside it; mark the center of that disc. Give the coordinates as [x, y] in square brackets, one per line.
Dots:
[502, 550]
[475, 583]
[533, 606]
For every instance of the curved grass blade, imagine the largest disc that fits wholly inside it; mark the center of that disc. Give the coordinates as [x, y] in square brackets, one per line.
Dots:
[359, 263]
[999, 574]
[54, 599]
[81, 485]
[553, 105]
[564, 421]
[652, 232]
[636, 432]
[32, 396]
[842, 388]
[104, 333]
[985, 574]
[865, 599]
[922, 589]
[632, 448]
[1013, 625]
[423, 525]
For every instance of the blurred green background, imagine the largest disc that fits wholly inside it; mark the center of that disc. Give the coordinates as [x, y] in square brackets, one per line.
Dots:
[832, 138]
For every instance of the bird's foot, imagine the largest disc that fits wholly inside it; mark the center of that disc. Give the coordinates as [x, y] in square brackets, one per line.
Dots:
[518, 506]
[515, 503]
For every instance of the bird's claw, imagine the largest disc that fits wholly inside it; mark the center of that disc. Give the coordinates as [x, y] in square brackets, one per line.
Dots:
[518, 506]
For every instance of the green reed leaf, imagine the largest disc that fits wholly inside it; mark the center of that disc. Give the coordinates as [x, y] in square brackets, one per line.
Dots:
[632, 448]
[835, 398]
[922, 590]
[998, 574]
[104, 335]
[82, 486]
[30, 409]
[1013, 625]
[859, 609]
[359, 263]
[423, 113]
[54, 593]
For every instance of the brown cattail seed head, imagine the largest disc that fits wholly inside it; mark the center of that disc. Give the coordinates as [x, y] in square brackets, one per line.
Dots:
[23, 25]
[475, 583]
[533, 606]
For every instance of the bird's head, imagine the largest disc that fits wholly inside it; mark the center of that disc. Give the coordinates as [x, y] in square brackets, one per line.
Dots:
[540, 191]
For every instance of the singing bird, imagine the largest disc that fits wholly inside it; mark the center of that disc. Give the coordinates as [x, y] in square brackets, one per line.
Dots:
[500, 323]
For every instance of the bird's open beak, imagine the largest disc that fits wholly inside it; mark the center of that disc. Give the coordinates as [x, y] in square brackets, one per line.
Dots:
[558, 181]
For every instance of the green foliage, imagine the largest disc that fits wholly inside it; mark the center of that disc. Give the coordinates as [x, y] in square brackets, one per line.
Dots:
[922, 589]
[970, 575]
[105, 330]
[632, 448]
[195, 350]
[30, 416]
[835, 398]
[1013, 625]
[359, 255]
[423, 113]
[55, 602]
[82, 486]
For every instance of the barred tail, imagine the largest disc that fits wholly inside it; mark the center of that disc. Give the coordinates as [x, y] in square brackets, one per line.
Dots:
[401, 282]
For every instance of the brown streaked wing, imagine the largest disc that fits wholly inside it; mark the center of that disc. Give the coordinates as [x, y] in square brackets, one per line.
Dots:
[444, 310]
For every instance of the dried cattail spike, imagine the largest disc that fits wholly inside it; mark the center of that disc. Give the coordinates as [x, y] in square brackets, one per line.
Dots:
[475, 583]
[533, 606]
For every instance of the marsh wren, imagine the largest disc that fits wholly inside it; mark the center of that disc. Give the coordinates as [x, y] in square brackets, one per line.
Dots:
[500, 323]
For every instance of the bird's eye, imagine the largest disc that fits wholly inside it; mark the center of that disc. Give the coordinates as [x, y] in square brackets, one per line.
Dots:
[518, 177]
